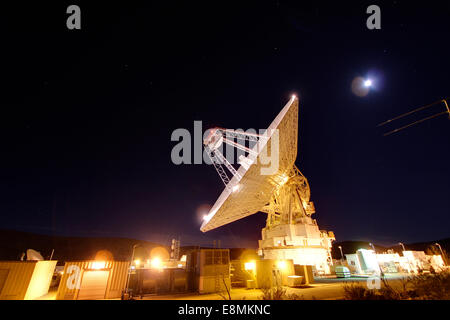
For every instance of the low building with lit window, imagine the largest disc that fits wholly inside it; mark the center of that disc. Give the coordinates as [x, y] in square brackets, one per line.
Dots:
[208, 270]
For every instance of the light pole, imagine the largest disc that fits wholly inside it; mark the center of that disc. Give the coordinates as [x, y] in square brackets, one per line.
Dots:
[129, 268]
[442, 253]
[342, 255]
[403, 246]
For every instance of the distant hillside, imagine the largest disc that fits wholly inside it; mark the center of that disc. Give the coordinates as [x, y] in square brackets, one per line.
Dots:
[13, 243]
[424, 246]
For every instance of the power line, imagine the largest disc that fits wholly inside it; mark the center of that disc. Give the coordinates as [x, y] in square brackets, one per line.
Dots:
[418, 121]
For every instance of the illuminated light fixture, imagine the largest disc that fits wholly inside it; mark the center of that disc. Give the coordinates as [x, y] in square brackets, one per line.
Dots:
[294, 97]
[137, 262]
[156, 263]
[281, 264]
[250, 266]
[367, 83]
[284, 179]
[98, 265]
[236, 188]
[208, 216]
[180, 265]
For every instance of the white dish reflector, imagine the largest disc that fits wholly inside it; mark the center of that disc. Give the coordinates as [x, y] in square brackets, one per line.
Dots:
[255, 189]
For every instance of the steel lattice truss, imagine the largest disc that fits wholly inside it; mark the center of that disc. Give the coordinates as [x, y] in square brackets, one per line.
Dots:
[249, 191]
[291, 201]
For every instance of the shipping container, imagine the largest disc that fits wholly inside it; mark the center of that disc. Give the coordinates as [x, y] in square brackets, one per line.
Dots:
[93, 280]
[25, 280]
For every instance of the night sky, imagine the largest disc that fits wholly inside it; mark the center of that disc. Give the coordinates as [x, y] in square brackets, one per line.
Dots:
[87, 115]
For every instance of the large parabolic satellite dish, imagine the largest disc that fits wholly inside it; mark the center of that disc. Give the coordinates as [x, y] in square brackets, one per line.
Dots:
[249, 190]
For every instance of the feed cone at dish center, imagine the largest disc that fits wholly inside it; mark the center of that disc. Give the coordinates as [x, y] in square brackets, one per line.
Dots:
[279, 189]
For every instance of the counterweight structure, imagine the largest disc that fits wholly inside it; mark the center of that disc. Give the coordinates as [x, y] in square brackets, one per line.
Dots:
[268, 181]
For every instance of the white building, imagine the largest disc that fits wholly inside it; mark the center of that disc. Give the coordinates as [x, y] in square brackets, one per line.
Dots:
[368, 262]
[418, 260]
[363, 262]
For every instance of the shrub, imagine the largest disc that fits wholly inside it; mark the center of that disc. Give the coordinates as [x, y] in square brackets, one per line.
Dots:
[279, 293]
[420, 287]
[431, 286]
[358, 292]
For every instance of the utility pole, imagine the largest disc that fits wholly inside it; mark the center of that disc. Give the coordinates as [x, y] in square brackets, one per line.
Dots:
[342, 255]
[442, 253]
[129, 268]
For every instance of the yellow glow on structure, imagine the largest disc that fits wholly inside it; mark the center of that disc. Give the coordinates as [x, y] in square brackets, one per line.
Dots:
[98, 265]
[281, 179]
[250, 265]
[137, 262]
[156, 263]
[40, 279]
[281, 264]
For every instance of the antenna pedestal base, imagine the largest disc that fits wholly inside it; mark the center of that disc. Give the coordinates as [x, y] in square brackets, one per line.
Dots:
[301, 242]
